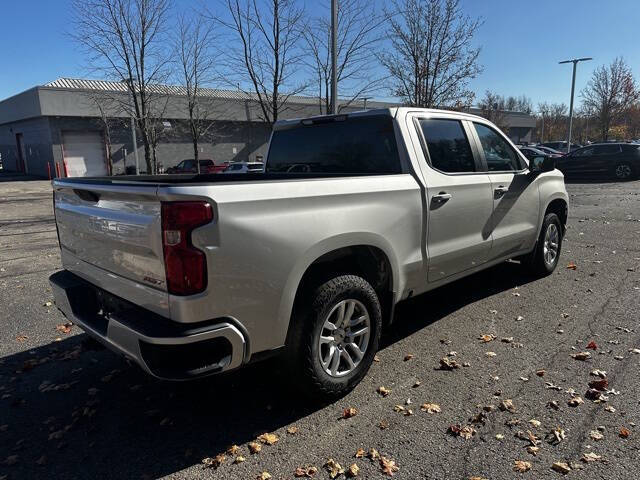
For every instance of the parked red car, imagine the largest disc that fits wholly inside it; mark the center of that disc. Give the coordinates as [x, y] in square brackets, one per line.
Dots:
[189, 166]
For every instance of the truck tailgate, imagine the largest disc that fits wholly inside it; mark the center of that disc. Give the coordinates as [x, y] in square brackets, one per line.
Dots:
[112, 236]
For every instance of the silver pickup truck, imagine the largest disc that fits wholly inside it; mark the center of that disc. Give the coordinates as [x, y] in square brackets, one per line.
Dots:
[197, 274]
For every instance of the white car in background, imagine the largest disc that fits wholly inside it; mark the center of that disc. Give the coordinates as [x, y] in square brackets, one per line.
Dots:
[245, 167]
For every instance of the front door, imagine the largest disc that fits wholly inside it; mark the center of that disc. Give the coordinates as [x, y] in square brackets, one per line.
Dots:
[21, 163]
[514, 222]
[459, 198]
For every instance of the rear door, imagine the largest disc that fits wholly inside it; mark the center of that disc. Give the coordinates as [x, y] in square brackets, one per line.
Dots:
[605, 157]
[84, 154]
[516, 203]
[458, 196]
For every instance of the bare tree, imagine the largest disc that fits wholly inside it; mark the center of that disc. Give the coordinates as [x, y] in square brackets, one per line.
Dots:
[126, 40]
[431, 58]
[359, 33]
[610, 92]
[553, 117]
[492, 107]
[519, 104]
[197, 62]
[268, 34]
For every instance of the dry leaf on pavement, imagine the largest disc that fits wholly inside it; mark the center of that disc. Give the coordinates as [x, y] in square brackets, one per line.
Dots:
[64, 327]
[360, 453]
[590, 457]
[600, 385]
[430, 408]
[292, 430]
[592, 345]
[388, 466]
[305, 472]
[233, 450]
[254, 447]
[561, 467]
[408, 357]
[383, 391]
[572, 266]
[521, 466]
[268, 438]
[239, 459]
[334, 468]
[486, 338]
[214, 462]
[264, 476]
[446, 364]
[353, 470]
[349, 412]
[575, 401]
[624, 432]
[373, 454]
[507, 406]
[595, 435]
[533, 450]
[582, 356]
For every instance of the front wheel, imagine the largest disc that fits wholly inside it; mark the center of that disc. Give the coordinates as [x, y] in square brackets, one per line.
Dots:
[337, 336]
[623, 171]
[544, 258]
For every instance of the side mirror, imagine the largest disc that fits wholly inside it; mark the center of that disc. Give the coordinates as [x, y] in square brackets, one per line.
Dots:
[542, 164]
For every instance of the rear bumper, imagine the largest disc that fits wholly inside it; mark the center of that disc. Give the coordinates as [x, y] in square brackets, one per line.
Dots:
[164, 349]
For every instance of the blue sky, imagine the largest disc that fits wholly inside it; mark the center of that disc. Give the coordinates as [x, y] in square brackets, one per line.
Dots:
[522, 42]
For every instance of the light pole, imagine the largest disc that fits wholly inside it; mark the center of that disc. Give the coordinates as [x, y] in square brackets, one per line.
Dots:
[334, 55]
[573, 86]
[364, 101]
[134, 139]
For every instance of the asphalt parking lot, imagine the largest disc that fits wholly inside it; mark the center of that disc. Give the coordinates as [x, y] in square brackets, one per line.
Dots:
[68, 410]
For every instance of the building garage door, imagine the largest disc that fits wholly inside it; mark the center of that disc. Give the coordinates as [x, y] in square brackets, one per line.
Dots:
[84, 154]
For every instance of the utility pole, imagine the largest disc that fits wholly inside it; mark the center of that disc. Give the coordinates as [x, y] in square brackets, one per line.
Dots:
[134, 139]
[364, 100]
[334, 55]
[573, 86]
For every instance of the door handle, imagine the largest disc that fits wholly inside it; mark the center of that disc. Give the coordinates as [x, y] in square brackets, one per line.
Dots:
[441, 197]
[500, 191]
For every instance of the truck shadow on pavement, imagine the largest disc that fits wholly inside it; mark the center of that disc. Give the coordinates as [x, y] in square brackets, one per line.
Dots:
[70, 411]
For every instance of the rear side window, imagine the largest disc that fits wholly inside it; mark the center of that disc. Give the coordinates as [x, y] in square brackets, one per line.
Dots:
[498, 153]
[449, 149]
[357, 145]
[607, 149]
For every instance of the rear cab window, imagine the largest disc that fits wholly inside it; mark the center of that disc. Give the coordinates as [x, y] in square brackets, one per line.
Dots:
[448, 145]
[352, 145]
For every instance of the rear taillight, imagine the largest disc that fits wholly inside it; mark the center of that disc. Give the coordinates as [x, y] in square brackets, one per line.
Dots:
[186, 266]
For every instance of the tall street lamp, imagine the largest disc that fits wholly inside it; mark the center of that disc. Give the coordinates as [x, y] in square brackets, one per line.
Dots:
[334, 56]
[573, 86]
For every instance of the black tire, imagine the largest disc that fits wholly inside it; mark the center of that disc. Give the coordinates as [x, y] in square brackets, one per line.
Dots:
[535, 261]
[623, 171]
[308, 321]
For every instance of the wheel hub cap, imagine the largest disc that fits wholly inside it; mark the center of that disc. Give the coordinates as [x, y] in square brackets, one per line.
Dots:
[344, 337]
[551, 244]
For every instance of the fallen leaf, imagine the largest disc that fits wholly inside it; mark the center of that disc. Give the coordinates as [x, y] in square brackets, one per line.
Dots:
[521, 466]
[557, 435]
[349, 412]
[254, 447]
[590, 457]
[575, 401]
[376, 358]
[540, 372]
[388, 466]
[598, 373]
[360, 453]
[561, 467]
[353, 470]
[408, 357]
[292, 430]
[507, 406]
[264, 476]
[334, 468]
[305, 472]
[582, 356]
[383, 391]
[214, 462]
[465, 432]
[233, 450]
[486, 338]
[595, 435]
[519, 318]
[446, 364]
[268, 438]
[383, 425]
[430, 408]
[507, 340]
[600, 385]
[47, 304]
[499, 436]
[490, 354]
[624, 432]
[572, 266]
[373, 454]
[21, 338]
[64, 327]
[533, 450]
[239, 459]
[535, 423]
[592, 345]
[610, 409]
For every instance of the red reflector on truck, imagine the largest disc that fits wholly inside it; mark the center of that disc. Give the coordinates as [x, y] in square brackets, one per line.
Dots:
[185, 265]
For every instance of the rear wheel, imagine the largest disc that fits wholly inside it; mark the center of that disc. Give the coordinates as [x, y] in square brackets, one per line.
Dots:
[336, 336]
[623, 171]
[544, 258]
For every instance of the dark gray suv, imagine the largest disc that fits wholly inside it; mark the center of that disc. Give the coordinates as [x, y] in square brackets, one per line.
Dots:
[620, 160]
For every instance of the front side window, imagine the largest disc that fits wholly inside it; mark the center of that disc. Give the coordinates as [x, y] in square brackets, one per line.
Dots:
[499, 155]
[448, 146]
